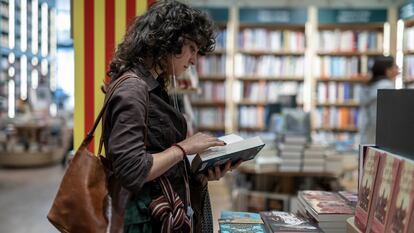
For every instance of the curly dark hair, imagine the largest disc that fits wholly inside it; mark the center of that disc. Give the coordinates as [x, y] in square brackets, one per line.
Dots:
[160, 32]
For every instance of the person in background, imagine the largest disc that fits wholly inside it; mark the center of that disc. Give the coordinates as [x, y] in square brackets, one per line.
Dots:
[384, 71]
[147, 149]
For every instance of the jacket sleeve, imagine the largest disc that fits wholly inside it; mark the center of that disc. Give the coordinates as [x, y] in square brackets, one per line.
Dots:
[127, 114]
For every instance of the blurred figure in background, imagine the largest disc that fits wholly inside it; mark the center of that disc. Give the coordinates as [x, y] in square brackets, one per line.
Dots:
[384, 71]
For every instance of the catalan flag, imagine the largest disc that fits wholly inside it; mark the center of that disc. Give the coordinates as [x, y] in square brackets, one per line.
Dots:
[98, 26]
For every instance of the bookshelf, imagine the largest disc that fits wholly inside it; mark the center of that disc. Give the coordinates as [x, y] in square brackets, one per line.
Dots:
[210, 105]
[269, 61]
[27, 52]
[348, 40]
[406, 14]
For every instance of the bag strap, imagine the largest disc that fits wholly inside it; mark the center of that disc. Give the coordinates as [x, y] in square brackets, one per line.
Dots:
[123, 77]
[87, 140]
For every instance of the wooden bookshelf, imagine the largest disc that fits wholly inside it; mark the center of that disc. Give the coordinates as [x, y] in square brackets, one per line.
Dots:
[409, 52]
[251, 129]
[344, 79]
[254, 103]
[207, 103]
[267, 52]
[211, 128]
[352, 26]
[345, 104]
[268, 78]
[349, 53]
[217, 78]
[342, 68]
[182, 91]
[338, 130]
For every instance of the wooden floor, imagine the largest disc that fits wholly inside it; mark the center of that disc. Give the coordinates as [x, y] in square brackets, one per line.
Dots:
[26, 196]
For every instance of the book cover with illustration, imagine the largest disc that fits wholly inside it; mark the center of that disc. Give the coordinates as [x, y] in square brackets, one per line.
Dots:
[237, 149]
[241, 228]
[283, 222]
[238, 221]
[240, 217]
[325, 206]
[366, 189]
[402, 202]
[386, 180]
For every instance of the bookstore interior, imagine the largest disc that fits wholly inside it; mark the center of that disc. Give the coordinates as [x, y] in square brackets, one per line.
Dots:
[314, 97]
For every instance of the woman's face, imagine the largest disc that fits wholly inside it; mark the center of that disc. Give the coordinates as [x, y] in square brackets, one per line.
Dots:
[180, 62]
[393, 71]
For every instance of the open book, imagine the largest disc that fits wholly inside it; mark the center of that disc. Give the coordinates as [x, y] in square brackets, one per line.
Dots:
[237, 149]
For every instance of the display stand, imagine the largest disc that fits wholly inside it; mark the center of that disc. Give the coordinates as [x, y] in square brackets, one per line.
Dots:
[350, 226]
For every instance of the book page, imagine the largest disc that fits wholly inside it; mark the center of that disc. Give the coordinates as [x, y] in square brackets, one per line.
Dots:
[229, 139]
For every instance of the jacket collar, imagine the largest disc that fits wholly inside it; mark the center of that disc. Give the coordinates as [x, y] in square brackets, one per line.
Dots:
[147, 77]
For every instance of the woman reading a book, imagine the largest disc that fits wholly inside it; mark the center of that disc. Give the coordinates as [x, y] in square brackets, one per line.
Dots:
[145, 135]
[384, 72]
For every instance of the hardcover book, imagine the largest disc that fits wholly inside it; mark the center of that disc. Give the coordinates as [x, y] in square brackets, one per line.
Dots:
[366, 188]
[283, 222]
[402, 202]
[386, 179]
[237, 149]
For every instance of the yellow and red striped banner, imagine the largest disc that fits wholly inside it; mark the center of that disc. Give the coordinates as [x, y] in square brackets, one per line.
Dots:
[98, 26]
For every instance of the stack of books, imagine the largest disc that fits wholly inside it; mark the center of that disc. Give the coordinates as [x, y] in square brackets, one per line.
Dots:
[291, 152]
[327, 209]
[314, 158]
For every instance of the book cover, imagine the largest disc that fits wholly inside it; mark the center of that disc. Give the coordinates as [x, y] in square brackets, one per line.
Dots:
[402, 202]
[241, 227]
[386, 179]
[240, 217]
[281, 222]
[325, 206]
[237, 149]
[239, 221]
[366, 188]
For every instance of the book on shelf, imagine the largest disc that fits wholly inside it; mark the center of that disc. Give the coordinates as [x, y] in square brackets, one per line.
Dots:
[237, 149]
[367, 188]
[284, 222]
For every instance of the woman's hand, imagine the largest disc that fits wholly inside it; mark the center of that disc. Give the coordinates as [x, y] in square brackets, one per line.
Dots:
[216, 173]
[199, 142]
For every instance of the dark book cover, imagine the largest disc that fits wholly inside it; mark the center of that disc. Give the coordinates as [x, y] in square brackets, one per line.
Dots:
[278, 221]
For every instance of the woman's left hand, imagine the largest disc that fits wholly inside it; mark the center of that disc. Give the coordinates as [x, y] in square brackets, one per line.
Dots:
[216, 173]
